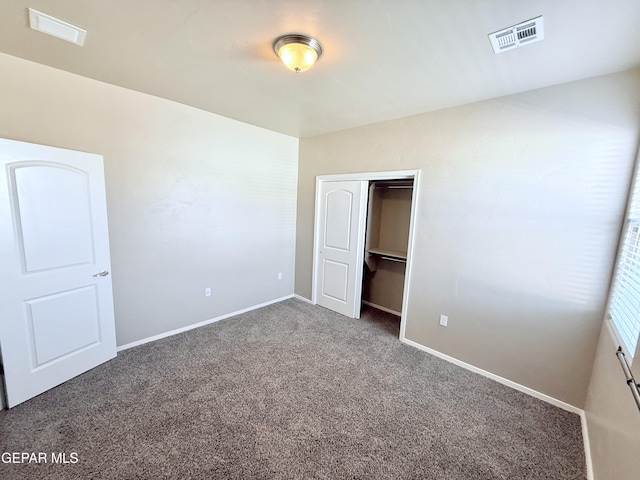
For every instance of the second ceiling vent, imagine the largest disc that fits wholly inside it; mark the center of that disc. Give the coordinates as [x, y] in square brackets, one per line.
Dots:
[517, 35]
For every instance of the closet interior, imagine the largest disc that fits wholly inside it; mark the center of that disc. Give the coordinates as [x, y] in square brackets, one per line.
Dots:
[386, 243]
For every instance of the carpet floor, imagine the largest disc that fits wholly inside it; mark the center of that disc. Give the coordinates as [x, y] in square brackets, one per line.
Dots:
[294, 391]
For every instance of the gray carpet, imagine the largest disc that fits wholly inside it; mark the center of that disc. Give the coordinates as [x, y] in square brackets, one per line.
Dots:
[290, 391]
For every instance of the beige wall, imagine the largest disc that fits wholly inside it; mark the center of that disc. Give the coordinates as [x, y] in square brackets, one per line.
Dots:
[195, 200]
[519, 209]
[613, 419]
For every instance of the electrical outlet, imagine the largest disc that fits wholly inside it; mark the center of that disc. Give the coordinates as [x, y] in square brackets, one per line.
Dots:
[207, 292]
[443, 320]
[279, 275]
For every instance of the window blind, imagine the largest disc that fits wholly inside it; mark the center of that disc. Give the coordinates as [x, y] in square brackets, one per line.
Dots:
[624, 305]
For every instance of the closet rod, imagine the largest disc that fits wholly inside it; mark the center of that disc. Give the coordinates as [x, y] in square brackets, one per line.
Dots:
[394, 186]
[633, 385]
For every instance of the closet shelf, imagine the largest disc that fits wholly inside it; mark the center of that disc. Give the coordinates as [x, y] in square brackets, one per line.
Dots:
[394, 254]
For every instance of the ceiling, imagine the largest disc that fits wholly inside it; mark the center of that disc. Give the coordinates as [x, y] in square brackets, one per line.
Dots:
[383, 59]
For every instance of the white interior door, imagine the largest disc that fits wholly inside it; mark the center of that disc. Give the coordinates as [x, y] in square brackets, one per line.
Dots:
[56, 305]
[340, 223]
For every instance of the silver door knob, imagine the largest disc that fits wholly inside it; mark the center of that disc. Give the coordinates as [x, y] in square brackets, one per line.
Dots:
[103, 273]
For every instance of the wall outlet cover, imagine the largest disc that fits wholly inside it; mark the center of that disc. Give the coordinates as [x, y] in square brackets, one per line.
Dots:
[443, 320]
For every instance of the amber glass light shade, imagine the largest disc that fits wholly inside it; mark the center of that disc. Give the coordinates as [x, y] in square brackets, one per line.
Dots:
[297, 52]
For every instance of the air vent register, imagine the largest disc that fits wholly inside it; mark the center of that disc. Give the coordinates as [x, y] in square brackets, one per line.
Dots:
[518, 35]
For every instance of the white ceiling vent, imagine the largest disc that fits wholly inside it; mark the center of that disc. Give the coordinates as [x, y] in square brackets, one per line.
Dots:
[518, 35]
[52, 26]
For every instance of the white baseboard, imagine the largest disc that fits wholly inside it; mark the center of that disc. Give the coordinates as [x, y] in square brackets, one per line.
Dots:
[587, 445]
[499, 379]
[199, 324]
[296, 296]
[380, 307]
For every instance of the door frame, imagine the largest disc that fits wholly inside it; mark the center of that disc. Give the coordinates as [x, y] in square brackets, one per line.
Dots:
[370, 176]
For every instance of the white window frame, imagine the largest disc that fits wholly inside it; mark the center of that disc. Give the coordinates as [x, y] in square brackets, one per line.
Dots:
[623, 308]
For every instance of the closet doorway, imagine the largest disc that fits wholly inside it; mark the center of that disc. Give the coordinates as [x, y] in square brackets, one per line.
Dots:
[387, 244]
[363, 240]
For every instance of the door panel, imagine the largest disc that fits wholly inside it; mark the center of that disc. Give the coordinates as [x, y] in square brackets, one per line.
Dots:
[50, 319]
[52, 210]
[335, 280]
[57, 314]
[337, 225]
[340, 247]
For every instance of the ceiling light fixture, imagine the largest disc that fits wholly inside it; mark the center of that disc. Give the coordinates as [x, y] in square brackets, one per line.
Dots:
[298, 52]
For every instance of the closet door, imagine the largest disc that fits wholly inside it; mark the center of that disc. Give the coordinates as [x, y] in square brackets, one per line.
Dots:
[340, 225]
